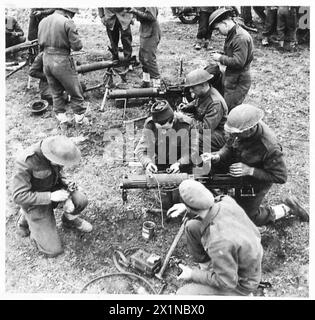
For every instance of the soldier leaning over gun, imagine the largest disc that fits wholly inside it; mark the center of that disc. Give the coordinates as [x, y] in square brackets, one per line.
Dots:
[150, 35]
[39, 185]
[222, 239]
[57, 35]
[160, 148]
[13, 32]
[36, 16]
[254, 151]
[117, 22]
[237, 57]
[209, 110]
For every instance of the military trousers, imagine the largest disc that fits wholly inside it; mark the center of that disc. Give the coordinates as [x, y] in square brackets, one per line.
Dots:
[126, 40]
[236, 87]
[62, 76]
[270, 22]
[45, 92]
[147, 55]
[203, 29]
[287, 24]
[42, 224]
[12, 41]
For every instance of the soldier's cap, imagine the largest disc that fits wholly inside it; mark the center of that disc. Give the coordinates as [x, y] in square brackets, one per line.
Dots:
[196, 77]
[61, 150]
[219, 15]
[195, 195]
[39, 106]
[162, 112]
[242, 118]
[73, 10]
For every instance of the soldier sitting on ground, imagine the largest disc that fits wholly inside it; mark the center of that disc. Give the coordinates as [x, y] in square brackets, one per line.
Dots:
[39, 186]
[13, 32]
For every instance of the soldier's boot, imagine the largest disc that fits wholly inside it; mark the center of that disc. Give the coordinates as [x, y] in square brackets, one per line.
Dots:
[296, 209]
[281, 46]
[74, 222]
[265, 41]
[199, 44]
[22, 228]
[145, 80]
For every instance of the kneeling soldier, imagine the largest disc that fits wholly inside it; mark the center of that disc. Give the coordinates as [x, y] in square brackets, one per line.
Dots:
[222, 239]
[38, 187]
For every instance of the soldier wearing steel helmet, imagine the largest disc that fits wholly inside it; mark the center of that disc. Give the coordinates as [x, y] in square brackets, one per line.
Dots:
[208, 109]
[237, 57]
[229, 264]
[254, 151]
[39, 185]
[58, 35]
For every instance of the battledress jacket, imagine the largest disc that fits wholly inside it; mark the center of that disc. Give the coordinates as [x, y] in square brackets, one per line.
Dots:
[232, 242]
[261, 151]
[238, 50]
[35, 178]
[148, 146]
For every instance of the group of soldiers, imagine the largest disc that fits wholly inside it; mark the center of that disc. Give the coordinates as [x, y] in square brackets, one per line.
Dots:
[218, 133]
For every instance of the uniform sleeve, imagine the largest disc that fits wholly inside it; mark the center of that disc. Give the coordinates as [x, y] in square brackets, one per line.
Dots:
[240, 54]
[22, 188]
[274, 169]
[149, 14]
[73, 36]
[36, 69]
[101, 12]
[145, 149]
[213, 117]
[225, 153]
[223, 273]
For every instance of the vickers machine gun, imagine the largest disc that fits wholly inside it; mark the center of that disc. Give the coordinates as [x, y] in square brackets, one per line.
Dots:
[243, 187]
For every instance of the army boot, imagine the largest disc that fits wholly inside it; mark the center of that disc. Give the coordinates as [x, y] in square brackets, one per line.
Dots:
[296, 209]
[74, 222]
[22, 228]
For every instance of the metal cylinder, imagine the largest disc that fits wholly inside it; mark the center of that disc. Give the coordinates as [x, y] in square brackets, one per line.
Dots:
[133, 93]
[83, 68]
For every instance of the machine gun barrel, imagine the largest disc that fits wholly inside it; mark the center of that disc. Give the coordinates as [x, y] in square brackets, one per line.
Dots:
[21, 46]
[134, 93]
[88, 67]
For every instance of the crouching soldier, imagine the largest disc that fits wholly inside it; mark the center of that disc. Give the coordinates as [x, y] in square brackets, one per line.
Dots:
[165, 143]
[39, 186]
[254, 151]
[222, 239]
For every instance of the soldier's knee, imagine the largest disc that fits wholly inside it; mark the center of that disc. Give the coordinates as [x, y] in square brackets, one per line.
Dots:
[80, 200]
[193, 227]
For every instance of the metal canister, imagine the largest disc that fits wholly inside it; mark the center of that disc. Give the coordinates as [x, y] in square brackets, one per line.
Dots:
[148, 228]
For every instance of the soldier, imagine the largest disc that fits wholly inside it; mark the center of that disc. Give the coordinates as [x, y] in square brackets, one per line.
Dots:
[254, 151]
[36, 16]
[209, 109]
[150, 35]
[39, 186]
[165, 144]
[270, 26]
[222, 239]
[57, 35]
[204, 35]
[237, 57]
[36, 71]
[13, 32]
[286, 27]
[117, 22]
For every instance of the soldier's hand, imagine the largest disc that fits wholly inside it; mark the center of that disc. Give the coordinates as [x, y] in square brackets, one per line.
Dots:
[59, 195]
[186, 272]
[181, 106]
[174, 168]
[208, 156]
[178, 209]
[240, 169]
[216, 56]
[151, 168]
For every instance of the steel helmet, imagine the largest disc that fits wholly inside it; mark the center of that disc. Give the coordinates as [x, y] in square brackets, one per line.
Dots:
[197, 76]
[73, 10]
[242, 118]
[39, 106]
[219, 15]
[61, 150]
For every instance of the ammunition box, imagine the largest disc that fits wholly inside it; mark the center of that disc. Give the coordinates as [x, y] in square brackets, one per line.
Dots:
[148, 263]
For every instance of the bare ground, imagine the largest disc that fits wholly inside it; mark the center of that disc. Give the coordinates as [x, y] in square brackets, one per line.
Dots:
[280, 87]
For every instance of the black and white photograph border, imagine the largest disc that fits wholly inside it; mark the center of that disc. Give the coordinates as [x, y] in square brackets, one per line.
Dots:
[111, 259]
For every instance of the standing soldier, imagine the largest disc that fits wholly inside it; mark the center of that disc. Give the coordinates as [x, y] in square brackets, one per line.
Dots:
[255, 152]
[286, 27]
[150, 35]
[39, 186]
[209, 110]
[117, 22]
[57, 35]
[204, 35]
[237, 57]
[36, 16]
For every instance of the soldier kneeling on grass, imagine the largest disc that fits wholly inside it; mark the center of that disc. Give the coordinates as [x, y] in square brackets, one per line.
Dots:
[222, 239]
[39, 186]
